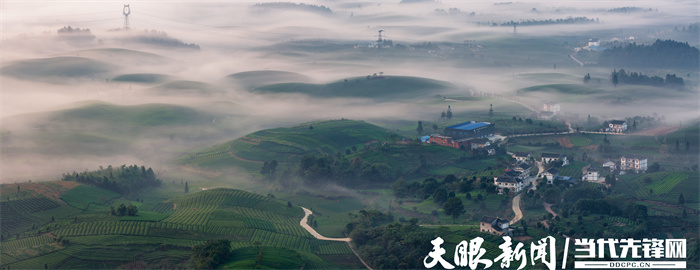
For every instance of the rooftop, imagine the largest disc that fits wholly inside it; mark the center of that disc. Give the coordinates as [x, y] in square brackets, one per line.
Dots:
[550, 155]
[471, 125]
[617, 122]
[521, 154]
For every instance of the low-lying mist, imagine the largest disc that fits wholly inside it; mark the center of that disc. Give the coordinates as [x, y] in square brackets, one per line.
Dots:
[181, 54]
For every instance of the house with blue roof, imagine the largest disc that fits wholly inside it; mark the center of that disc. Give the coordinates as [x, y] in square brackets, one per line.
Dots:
[470, 130]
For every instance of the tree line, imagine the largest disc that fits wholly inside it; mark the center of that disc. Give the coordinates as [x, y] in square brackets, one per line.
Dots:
[661, 54]
[622, 77]
[529, 22]
[123, 179]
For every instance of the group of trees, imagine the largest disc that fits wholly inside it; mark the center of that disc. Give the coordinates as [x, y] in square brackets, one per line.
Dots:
[621, 77]
[661, 54]
[122, 179]
[162, 39]
[210, 254]
[74, 35]
[442, 191]
[529, 22]
[123, 210]
[343, 171]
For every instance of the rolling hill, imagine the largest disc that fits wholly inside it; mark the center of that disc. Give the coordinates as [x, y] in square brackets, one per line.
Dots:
[257, 78]
[288, 144]
[48, 69]
[145, 78]
[384, 88]
[186, 88]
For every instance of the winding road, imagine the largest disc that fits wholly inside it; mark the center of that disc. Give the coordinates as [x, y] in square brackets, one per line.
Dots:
[317, 235]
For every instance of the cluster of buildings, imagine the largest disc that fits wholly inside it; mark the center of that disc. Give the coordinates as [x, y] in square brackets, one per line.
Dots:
[466, 136]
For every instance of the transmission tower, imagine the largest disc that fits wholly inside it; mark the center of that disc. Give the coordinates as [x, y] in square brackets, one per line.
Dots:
[380, 42]
[126, 11]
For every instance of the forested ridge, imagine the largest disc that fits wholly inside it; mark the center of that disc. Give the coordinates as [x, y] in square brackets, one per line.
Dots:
[661, 54]
[123, 179]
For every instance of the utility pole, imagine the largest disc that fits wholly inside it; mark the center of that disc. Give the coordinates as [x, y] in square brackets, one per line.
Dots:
[126, 11]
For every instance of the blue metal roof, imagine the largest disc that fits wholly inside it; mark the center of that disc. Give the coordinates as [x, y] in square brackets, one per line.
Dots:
[469, 125]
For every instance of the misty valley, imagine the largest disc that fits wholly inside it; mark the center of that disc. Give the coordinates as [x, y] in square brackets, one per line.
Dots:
[344, 134]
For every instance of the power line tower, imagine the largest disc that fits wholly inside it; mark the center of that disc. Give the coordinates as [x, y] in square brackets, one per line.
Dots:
[126, 11]
[380, 41]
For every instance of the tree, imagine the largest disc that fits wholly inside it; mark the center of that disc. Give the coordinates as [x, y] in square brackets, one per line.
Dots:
[453, 207]
[491, 111]
[111, 210]
[681, 200]
[289, 204]
[610, 179]
[435, 127]
[615, 79]
[468, 196]
[443, 115]
[449, 112]
[131, 210]
[17, 188]
[440, 195]
[678, 146]
[654, 167]
[121, 210]
[210, 253]
[419, 129]
[187, 188]
[587, 78]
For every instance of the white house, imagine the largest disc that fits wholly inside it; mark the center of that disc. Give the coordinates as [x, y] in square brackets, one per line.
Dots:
[549, 157]
[551, 107]
[494, 225]
[551, 174]
[590, 173]
[633, 162]
[520, 156]
[618, 126]
[610, 165]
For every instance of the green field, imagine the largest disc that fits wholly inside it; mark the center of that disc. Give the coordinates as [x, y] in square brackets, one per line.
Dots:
[167, 230]
[289, 144]
[56, 67]
[570, 89]
[257, 78]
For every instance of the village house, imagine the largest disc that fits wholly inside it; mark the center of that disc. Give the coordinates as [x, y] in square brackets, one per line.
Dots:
[547, 158]
[448, 141]
[479, 143]
[551, 175]
[617, 126]
[510, 179]
[551, 107]
[494, 225]
[633, 162]
[609, 165]
[490, 149]
[522, 168]
[520, 156]
[590, 173]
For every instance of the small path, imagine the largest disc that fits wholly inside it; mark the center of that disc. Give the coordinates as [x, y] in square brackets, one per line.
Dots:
[516, 209]
[317, 235]
[577, 61]
[313, 232]
[548, 207]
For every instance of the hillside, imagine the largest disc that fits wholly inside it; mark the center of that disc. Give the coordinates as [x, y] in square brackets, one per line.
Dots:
[182, 87]
[383, 88]
[56, 67]
[288, 144]
[145, 78]
[257, 78]
[77, 230]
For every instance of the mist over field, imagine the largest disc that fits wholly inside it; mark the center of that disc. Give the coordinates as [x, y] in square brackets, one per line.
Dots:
[190, 75]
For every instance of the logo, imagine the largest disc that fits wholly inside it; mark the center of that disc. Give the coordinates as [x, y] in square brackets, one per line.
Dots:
[625, 253]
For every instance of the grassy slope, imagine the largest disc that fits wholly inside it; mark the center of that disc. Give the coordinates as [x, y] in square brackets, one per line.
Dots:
[146, 78]
[390, 87]
[257, 78]
[67, 67]
[288, 144]
[96, 237]
[185, 87]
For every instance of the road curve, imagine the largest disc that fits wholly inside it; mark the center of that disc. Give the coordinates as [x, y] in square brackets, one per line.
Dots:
[313, 232]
